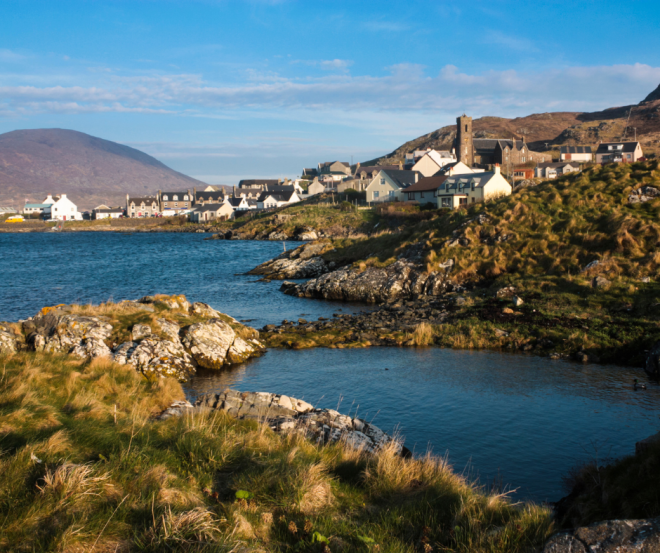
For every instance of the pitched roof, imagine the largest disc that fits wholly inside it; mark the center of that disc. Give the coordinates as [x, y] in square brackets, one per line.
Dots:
[479, 179]
[575, 150]
[282, 189]
[235, 202]
[439, 157]
[426, 184]
[372, 168]
[489, 145]
[277, 196]
[206, 196]
[184, 193]
[247, 190]
[403, 179]
[34, 206]
[209, 207]
[145, 199]
[109, 210]
[249, 182]
[603, 147]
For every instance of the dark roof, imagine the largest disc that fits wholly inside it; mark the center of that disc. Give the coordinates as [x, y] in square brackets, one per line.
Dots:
[575, 150]
[209, 195]
[170, 194]
[245, 183]
[489, 145]
[403, 178]
[328, 163]
[234, 202]
[426, 184]
[281, 189]
[372, 168]
[277, 196]
[246, 190]
[627, 147]
[311, 171]
[146, 200]
[208, 207]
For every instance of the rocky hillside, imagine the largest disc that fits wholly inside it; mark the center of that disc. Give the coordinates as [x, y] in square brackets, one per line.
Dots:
[556, 129]
[89, 170]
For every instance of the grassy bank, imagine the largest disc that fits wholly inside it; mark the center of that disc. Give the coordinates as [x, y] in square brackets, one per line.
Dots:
[84, 467]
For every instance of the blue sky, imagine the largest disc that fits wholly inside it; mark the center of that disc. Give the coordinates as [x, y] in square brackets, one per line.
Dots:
[228, 89]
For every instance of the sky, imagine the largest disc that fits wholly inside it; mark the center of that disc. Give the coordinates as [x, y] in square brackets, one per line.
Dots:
[228, 89]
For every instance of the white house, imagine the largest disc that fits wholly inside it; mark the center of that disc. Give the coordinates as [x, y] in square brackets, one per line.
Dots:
[270, 200]
[432, 161]
[63, 210]
[457, 168]
[105, 212]
[388, 185]
[239, 203]
[551, 170]
[576, 153]
[462, 190]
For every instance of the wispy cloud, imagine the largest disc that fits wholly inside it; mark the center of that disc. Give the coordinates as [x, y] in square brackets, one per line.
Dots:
[326, 65]
[406, 88]
[10, 56]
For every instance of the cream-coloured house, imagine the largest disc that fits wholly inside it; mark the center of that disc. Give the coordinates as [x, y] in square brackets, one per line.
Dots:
[389, 186]
[462, 190]
[432, 161]
[211, 212]
[315, 188]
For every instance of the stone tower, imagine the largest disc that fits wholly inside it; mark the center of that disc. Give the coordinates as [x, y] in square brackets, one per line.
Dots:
[464, 143]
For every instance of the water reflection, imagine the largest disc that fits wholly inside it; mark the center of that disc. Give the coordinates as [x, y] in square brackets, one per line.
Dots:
[524, 418]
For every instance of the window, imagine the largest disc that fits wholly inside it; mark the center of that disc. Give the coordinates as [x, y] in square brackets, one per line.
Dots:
[421, 194]
[523, 159]
[376, 194]
[185, 197]
[466, 128]
[176, 204]
[175, 197]
[165, 198]
[445, 202]
[462, 201]
[382, 181]
[474, 199]
[391, 194]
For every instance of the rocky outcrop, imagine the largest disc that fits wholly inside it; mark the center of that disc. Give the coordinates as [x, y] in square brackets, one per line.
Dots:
[612, 536]
[643, 194]
[163, 348]
[286, 414]
[54, 330]
[8, 340]
[303, 262]
[402, 279]
[209, 342]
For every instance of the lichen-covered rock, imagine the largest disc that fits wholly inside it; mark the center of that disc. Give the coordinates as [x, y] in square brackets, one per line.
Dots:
[612, 536]
[374, 284]
[123, 352]
[170, 329]
[8, 343]
[203, 310]
[209, 342]
[287, 414]
[161, 358]
[140, 331]
[643, 194]
[240, 351]
[59, 331]
[302, 262]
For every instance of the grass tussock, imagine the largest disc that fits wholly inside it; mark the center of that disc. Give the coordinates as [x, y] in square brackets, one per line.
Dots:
[117, 480]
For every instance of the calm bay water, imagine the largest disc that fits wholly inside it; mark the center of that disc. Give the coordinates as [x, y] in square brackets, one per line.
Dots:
[519, 420]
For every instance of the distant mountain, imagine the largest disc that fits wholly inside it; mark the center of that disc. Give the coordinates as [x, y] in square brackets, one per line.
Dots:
[89, 170]
[548, 131]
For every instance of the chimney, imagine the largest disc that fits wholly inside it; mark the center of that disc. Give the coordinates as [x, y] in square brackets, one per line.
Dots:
[416, 176]
[400, 165]
[497, 169]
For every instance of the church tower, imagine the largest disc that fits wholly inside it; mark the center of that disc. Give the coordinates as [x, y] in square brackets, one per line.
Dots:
[464, 143]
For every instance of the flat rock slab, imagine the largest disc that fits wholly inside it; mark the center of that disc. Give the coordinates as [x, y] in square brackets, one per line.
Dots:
[612, 536]
[287, 414]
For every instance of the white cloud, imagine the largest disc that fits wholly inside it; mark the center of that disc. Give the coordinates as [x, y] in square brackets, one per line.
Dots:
[499, 38]
[407, 88]
[10, 56]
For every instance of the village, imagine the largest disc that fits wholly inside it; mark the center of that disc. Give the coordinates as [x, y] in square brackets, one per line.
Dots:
[475, 170]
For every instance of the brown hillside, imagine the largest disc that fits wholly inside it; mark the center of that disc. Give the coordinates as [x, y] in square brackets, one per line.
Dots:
[555, 129]
[89, 170]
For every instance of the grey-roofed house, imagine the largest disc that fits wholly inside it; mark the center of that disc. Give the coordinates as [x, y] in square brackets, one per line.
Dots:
[618, 152]
[141, 206]
[389, 186]
[310, 172]
[423, 191]
[461, 190]
[272, 199]
[554, 169]
[178, 202]
[210, 197]
[261, 184]
[576, 153]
